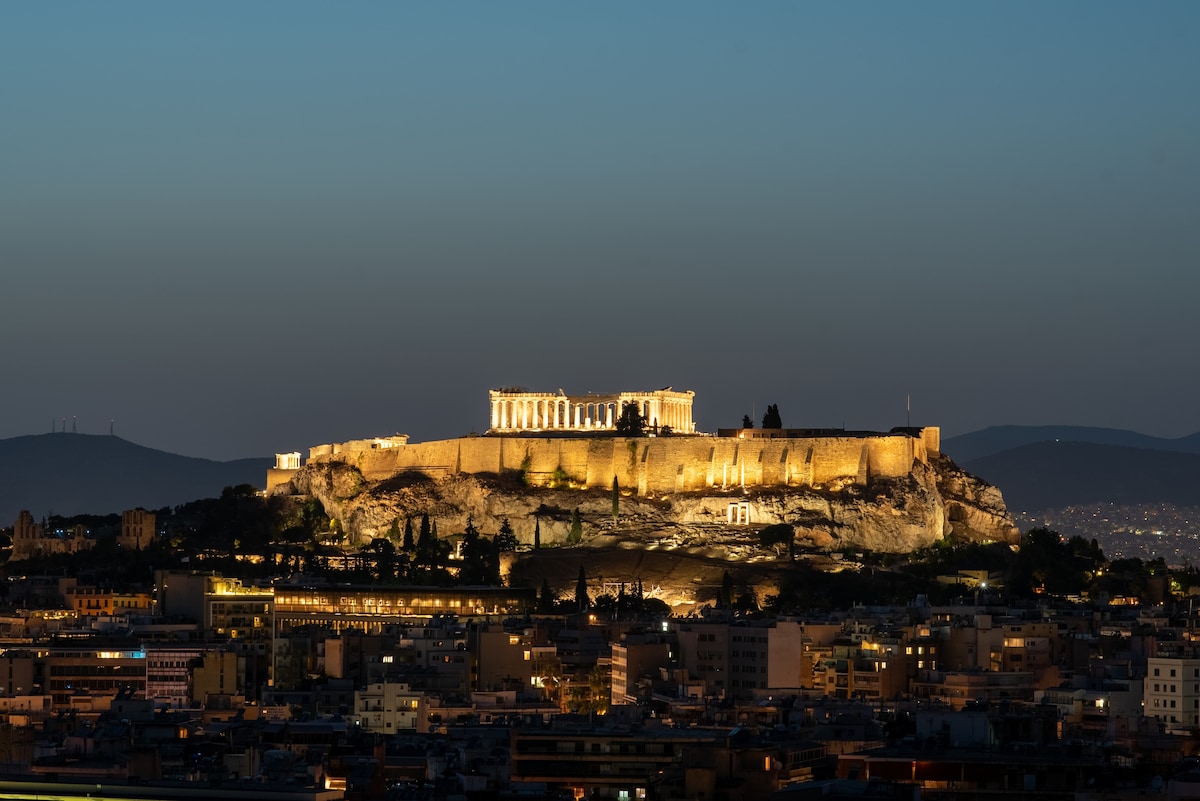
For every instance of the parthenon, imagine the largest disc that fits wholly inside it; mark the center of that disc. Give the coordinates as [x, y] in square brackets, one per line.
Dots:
[518, 410]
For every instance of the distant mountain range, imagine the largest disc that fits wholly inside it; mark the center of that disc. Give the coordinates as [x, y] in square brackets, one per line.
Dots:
[969, 447]
[1049, 467]
[69, 474]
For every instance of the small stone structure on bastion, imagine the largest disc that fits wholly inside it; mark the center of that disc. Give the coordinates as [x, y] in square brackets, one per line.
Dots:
[546, 436]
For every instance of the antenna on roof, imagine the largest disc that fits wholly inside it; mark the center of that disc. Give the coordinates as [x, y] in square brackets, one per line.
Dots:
[110, 426]
[908, 412]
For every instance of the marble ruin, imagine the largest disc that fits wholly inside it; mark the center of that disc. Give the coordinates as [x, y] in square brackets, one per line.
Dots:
[517, 410]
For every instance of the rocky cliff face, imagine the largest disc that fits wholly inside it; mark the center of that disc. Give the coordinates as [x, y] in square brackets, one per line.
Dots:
[893, 515]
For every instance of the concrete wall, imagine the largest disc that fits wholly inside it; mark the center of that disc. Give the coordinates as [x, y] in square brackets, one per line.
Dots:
[651, 465]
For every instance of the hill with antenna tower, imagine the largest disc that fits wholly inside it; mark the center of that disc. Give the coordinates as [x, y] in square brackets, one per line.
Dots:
[67, 473]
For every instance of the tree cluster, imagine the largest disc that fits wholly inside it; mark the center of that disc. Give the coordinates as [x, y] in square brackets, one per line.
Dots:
[771, 418]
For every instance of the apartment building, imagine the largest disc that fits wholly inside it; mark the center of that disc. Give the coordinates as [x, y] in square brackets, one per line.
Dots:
[1171, 692]
[391, 707]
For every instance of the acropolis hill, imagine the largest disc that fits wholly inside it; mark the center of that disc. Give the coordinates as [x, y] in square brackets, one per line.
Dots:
[550, 453]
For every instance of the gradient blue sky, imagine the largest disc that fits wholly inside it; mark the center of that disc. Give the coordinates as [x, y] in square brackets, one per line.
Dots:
[238, 228]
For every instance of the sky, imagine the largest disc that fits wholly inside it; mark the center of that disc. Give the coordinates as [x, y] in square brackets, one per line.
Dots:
[235, 229]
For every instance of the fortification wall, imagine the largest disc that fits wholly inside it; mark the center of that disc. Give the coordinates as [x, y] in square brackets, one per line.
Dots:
[278, 476]
[651, 465]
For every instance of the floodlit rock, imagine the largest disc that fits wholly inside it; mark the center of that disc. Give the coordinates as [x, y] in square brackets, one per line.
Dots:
[897, 515]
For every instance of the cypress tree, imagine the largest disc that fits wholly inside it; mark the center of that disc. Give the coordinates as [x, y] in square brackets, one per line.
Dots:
[581, 594]
[408, 545]
[576, 533]
[426, 543]
[725, 599]
[546, 599]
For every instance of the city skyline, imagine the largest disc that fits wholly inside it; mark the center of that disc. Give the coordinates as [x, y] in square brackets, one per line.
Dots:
[234, 231]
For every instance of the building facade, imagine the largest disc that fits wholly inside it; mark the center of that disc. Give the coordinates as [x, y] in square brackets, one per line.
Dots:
[1172, 692]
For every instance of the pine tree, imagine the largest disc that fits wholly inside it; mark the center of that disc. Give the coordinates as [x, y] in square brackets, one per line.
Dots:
[506, 540]
[385, 559]
[537, 533]
[480, 557]
[630, 423]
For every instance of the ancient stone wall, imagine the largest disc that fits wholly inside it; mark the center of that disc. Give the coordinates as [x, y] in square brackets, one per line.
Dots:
[651, 465]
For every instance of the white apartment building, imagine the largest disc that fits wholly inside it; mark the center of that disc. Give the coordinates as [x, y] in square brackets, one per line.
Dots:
[390, 707]
[1172, 692]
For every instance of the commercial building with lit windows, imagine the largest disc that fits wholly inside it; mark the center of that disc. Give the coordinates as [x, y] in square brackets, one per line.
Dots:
[226, 607]
[370, 609]
[94, 668]
[640, 761]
